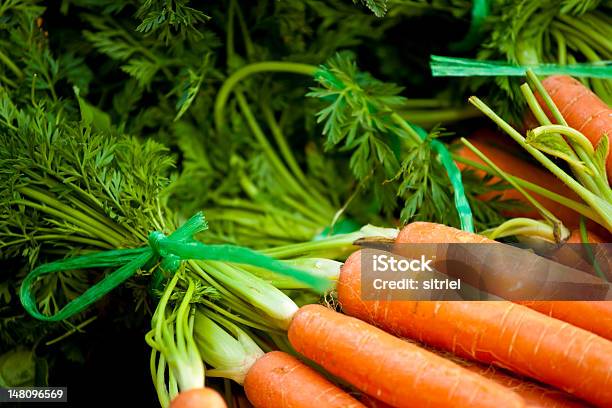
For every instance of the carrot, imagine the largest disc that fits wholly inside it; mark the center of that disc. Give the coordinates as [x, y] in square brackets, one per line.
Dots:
[392, 370]
[518, 167]
[535, 395]
[198, 398]
[576, 238]
[574, 254]
[594, 316]
[581, 108]
[278, 380]
[501, 333]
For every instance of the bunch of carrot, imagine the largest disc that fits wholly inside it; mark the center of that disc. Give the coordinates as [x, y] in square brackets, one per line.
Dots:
[504, 334]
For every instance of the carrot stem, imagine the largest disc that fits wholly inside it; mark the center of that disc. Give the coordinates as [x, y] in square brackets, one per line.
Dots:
[567, 202]
[538, 112]
[521, 226]
[285, 150]
[314, 206]
[574, 135]
[561, 47]
[581, 41]
[255, 291]
[248, 70]
[432, 117]
[597, 184]
[560, 230]
[223, 345]
[584, 237]
[99, 229]
[601, 185]
[234, 303]
[534, 106]
[586, 30]
[580, 143]
[11, 65]
[533, 80]
[171, 337]
[406, 127]
[332, 247]
[281, 141]
[598, 24]
[603, 208]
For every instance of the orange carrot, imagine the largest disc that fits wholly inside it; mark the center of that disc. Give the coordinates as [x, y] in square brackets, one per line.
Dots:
[278, 380]
[574, 254]
[431, 233]
[501, 333]
[198, 398]
[520, 168]
[535, 395]
[392, 370]
[581, 108]
[576, 238]
[594, 316]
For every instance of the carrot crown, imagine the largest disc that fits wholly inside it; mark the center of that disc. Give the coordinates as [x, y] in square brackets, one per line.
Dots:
[173, 347]
[224, 346]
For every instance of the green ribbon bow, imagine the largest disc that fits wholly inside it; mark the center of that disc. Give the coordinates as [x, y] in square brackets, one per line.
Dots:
[172, 250]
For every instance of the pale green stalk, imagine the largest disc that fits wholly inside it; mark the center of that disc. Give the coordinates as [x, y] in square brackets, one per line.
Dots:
[602, 207]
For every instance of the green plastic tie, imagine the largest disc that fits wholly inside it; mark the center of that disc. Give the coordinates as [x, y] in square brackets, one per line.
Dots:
[462, 204]
[480, 12]
[172, 250]
[465, 67]
[343, 226]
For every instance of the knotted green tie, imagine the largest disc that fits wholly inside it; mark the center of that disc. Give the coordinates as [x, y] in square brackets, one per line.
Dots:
[172, 250]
